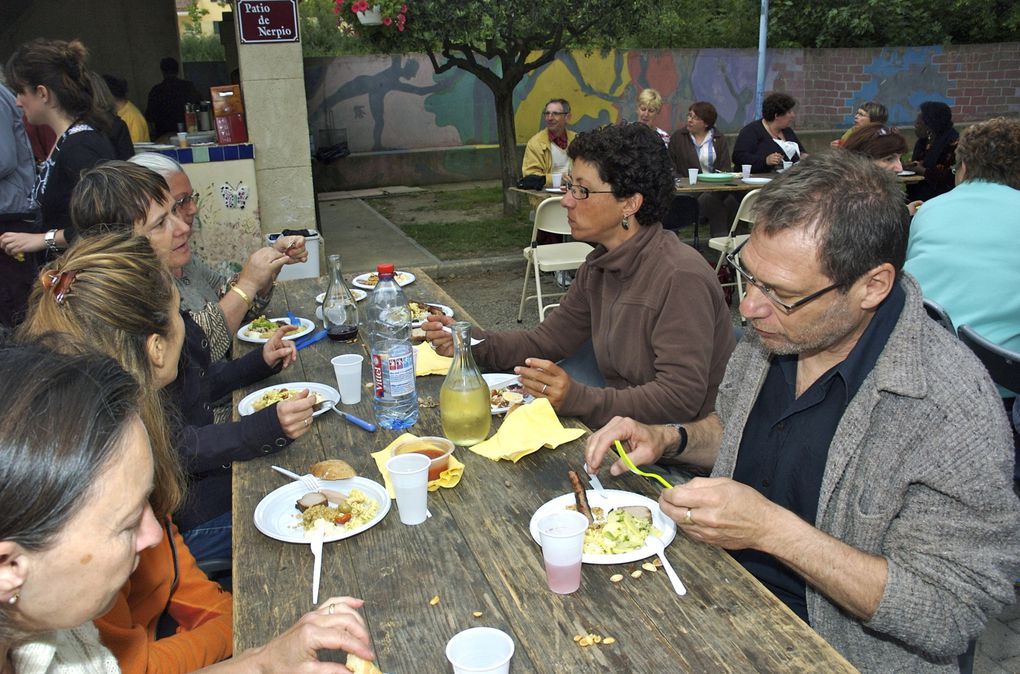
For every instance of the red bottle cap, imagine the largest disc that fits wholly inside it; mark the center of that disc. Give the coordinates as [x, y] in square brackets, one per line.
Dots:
[385, 269]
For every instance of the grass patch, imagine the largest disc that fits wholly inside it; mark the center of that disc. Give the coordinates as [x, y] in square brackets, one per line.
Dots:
[458, 224]
[459, 240]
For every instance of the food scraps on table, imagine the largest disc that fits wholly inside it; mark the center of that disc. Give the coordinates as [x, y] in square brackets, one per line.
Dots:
[263, 328]
[350, 512]
[591, 639]
[275, 395]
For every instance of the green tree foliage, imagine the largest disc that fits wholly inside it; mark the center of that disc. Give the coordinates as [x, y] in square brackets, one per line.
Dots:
[879, 23]
[501, 42]
[201, 48]
[320, 35]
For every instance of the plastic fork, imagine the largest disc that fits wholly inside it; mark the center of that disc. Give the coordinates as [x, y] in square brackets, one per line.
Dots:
[637, 471]
[310, 482]
[655, 543]
[294, 320]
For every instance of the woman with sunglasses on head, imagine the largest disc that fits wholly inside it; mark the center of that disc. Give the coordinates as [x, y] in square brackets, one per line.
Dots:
[659, 329]
[112, 292]
[218, 303]
[882, 144]
[121, 192]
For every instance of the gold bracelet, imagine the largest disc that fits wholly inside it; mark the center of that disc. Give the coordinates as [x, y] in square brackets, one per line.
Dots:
[244, 295]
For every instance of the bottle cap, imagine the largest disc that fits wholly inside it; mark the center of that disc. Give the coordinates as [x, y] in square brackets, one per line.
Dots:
[385, 269]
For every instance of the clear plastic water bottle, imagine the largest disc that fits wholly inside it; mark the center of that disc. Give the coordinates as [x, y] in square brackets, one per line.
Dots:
[388, 326]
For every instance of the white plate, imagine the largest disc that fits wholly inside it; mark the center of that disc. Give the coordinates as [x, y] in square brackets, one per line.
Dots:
[358, 295]
[555, 190]
[446, 310]
[247, 404]
[614, 498]
[305, 327]
[756, 181]
[499, 380]
[906, 173]
[277, 517]
[402, 277]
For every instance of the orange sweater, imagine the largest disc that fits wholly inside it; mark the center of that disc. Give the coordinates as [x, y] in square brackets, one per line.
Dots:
[202, 609]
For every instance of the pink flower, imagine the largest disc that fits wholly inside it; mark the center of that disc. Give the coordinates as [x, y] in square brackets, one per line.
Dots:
[387, 21]
[403, 9]
[400, 27]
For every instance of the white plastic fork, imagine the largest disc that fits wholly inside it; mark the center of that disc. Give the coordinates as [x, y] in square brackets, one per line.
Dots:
[310, 482]
[655, 543]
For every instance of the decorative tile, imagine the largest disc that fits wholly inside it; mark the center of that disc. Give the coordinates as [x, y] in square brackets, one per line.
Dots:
[200, 154]
[184, 156]
[230, 152]
[246, 151]
[216, 153]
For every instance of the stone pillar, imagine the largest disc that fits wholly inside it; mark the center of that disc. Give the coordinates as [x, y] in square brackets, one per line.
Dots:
[273, 84]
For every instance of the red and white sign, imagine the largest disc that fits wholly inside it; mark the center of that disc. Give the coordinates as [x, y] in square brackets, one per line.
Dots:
[267, 21]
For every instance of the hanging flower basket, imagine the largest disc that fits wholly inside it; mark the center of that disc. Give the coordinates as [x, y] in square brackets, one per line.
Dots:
[383, 15]
[371, 16]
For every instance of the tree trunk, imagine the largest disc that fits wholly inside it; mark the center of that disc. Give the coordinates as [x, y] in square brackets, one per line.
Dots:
[509, 166]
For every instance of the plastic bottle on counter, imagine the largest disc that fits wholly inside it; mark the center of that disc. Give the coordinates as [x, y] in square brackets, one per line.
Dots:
[388, 327]
[190, 118]
[204, 119]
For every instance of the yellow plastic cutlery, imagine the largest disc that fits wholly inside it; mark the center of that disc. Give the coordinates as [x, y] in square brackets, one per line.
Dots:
[638, 471]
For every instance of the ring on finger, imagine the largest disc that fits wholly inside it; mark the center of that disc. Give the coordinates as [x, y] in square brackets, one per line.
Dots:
[308, 421]
[331, 608]
[688, 519]
[544, 387]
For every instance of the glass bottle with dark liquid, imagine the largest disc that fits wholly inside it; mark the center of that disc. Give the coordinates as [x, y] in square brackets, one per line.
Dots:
[339, 310]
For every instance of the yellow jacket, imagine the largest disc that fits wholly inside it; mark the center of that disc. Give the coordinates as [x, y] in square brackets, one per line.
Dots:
[135, 121]
[538, 156]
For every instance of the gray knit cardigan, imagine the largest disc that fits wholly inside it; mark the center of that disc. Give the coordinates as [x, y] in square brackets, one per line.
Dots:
[920, 471]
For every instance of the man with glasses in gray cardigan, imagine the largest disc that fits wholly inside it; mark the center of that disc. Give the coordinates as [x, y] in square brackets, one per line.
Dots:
[861, 461]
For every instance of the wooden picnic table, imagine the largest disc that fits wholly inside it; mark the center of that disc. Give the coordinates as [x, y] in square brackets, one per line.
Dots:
[476, 554]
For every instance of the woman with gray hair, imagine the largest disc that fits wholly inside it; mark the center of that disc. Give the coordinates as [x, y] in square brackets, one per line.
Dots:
[220, 303]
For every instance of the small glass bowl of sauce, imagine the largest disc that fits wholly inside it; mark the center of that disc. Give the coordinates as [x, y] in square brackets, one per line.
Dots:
[436, 448]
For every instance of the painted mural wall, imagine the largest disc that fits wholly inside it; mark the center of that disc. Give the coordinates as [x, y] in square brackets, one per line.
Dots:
[397, 103]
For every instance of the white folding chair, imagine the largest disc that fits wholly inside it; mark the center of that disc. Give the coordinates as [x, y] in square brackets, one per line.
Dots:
[727, 244]
[550, 216]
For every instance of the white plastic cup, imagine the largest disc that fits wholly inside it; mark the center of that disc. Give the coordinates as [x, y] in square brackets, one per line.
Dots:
[182, 139]
[692, 176]
[746, 170]
[348, 377]
[409, 475]
[787, 165]
[562, 536]
[557, 180]
[480, 650]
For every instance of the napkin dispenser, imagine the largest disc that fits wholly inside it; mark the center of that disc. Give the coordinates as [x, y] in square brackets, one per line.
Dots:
[228, 114]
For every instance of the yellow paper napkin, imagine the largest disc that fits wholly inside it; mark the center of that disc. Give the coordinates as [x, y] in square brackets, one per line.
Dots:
[448, 478]
[427, 361]
[525, 430]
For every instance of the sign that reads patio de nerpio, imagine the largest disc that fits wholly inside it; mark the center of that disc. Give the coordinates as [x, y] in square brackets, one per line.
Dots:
[267, 21]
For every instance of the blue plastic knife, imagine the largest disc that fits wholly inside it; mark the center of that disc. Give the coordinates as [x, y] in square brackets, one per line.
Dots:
[348, 417]
[308, 340]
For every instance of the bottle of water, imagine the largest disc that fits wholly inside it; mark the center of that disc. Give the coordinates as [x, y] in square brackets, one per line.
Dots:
[392, 358]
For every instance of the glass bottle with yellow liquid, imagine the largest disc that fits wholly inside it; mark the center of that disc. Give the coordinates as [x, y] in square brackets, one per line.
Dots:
[464, 398]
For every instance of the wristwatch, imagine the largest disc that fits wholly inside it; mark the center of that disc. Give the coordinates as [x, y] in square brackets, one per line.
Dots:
[51, 241]
[673, 452]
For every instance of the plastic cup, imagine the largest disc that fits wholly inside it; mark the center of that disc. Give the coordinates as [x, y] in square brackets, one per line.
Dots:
[746, 170]
[182, 139]
[348, 377]
[787, 165]
[692, 176]
[562, 536]
[557, 180]
[480, 650]
[409, 475]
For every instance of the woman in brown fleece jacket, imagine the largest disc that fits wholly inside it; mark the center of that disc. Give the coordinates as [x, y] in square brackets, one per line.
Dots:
[651, 305]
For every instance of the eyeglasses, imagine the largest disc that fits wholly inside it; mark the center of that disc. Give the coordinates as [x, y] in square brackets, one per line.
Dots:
[734, 261]
[184, 201]
[550, 113]
[580, 192]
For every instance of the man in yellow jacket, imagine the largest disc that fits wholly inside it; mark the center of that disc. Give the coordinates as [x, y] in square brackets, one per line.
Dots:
[546, 152]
